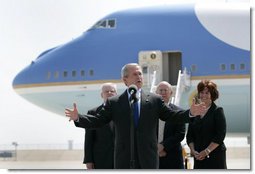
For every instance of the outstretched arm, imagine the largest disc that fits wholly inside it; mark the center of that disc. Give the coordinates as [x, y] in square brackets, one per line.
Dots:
[87, 120]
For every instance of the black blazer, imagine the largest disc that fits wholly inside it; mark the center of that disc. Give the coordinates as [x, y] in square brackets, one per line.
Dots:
[117, 109]
[172, 136]
[99, 145]
[211, 128]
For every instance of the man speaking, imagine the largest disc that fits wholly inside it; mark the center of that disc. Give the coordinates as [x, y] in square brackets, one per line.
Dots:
[138, 151]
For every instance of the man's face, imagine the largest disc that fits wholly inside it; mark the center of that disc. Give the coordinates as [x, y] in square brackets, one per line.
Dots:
[164, 91]
[108, 91]
[135, 76]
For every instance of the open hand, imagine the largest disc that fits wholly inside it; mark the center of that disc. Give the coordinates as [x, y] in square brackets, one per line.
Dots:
[197, 109]
[72, 113]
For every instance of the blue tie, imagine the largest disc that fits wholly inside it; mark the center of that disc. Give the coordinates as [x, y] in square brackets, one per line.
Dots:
[136, 113]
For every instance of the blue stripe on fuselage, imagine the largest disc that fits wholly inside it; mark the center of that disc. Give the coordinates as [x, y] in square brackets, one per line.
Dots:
[105, 51]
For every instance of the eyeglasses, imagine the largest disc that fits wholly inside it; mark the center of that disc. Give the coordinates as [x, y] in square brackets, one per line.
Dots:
[111, 91]
[161, 91]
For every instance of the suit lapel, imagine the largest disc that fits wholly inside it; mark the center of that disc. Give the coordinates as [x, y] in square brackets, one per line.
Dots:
[124, 104]
[99, 108]
[144, 102]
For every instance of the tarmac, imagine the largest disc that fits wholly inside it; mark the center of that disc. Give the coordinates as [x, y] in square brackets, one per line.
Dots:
[233, 164]
[238, 158]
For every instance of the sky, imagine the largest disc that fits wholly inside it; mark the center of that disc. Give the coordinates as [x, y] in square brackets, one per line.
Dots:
[27, 28]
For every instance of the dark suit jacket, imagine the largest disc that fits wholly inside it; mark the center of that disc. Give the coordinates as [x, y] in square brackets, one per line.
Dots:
[99, 145]
[172, 137]
[117, 109]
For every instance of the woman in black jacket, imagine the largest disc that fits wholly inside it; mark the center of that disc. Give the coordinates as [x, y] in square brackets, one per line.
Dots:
[206, 133]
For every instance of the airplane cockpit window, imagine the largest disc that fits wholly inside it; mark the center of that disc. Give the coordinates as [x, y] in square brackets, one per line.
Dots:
[107, 23]
[102, 24]
[111, 23]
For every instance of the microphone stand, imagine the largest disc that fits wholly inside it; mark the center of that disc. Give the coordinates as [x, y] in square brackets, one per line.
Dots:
[132, 133]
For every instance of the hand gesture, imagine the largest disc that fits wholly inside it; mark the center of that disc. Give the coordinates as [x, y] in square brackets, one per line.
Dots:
[72, 113]
[197, 109]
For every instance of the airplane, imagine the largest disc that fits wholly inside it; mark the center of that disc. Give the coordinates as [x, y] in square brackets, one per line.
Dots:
[181, 44]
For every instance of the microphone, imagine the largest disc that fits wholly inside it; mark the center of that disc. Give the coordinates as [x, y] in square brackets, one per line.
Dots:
[132, 89]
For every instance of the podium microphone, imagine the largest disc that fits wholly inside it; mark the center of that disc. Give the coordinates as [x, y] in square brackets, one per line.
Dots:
[132, 89]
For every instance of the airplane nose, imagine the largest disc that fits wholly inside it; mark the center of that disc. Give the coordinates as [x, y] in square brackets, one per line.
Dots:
[23, 78]
[29, 75]
[19, 79]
